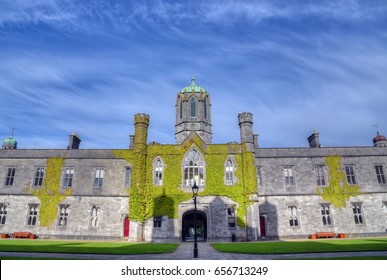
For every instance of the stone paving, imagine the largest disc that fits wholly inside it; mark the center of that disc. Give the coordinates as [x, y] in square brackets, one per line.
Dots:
[184, 252]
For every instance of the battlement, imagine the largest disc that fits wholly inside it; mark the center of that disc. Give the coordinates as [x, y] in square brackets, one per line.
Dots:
[245, 118]
[141, 118]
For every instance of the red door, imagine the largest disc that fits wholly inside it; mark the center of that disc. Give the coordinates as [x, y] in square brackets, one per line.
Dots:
[262, 224]
[126, 227]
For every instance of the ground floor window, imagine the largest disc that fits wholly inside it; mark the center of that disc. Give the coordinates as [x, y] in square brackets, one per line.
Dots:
[293, 215]
[326, 214]
[3, 213]
[32, 214]
[231, 217]
[157, 221]
[357, 213]
[63, 215]
[95, 216]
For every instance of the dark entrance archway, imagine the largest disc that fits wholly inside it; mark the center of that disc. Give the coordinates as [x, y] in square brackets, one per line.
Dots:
[188, 226]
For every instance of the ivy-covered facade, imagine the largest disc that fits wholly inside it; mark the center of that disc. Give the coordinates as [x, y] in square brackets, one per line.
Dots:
[144, 193]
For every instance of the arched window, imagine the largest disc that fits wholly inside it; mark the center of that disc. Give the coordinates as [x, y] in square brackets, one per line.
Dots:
[205, 108]
[193, 169]
[181, 109]
[193, 107]
[158, 172]
[95, 216]
[229, 172]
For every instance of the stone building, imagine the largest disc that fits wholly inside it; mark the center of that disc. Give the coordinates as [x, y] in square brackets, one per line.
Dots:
[144, 192]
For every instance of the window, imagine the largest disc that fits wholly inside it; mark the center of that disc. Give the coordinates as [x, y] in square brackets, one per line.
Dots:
[10, 177]
[128, 176]
[158, 168]
[181, 109]
[293, 215]
[3, 213]
[98, 177]
[380, 174]
[63, 214]
[157, 221]
[231, 217]
[95, 216]
[357, 213]
[259, 176]
[205, 108]
[320, 175]
[39, 175]
[326, 214]
[32, 214]
[350, 174]
[289, 176]
[385, 209]
[229, 170]
[193, 166]
[68, 177]
[193, 107]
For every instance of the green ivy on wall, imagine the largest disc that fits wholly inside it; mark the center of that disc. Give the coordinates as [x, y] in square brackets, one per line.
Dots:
[50, 194]
[338, 191]
[147, 200]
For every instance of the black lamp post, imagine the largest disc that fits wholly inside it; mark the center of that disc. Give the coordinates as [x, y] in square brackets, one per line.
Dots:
[195, 190]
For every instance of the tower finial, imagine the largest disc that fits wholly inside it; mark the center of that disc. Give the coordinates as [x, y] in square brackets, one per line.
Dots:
[13, 130]
[193, 78]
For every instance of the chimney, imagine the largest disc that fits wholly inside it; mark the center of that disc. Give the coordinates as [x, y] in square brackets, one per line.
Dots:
[74, 142]
[314, 140]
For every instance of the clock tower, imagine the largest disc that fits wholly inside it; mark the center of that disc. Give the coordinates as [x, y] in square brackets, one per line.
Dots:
[193, 113]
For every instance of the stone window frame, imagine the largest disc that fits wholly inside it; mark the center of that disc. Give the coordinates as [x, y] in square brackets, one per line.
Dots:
[229, 172]
[33, 214]
[289, 177]
[39, 174]
[380, 174]
[157, 221]
[158, 171]
[350, 174]
[384, 206]
[98, 180]
[320, 171]
[127, 176]
[259, 176]
[63, 215]
[188, 182]
[293, 212]
[193, 107]
[68, 178]
[358, 213]
[4, 209]
[95, 216]
[9, 180]
[326, 214]
[231, 216]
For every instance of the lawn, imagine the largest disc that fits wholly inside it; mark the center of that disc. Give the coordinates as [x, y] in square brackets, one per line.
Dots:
[82, 247]
[309, 246]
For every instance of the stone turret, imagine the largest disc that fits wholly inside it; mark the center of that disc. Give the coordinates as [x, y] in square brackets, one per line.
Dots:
[74, 142]
[314, 140]
[246, 130]
[9, 143]
[141, 124]
[380, 140]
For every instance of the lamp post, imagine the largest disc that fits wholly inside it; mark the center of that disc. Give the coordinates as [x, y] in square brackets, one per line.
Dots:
[195, 190]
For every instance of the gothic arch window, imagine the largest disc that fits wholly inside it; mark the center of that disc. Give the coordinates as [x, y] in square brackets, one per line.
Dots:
[95, 215]
[205, 108]
[193, 169]
[193, 107]
[158, 172]
[181, 109]
[229, 172]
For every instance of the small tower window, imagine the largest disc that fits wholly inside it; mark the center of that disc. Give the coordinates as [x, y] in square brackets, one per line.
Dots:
[205, 108]
[193, 107]
[181, 109]
[158, 170]
[229, 172]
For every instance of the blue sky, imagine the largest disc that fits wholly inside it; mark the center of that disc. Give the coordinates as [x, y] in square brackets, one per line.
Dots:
[89, 66]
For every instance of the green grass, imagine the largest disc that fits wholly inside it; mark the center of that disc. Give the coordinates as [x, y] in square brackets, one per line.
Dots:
[310, 246]
[363, 258]
[78, 247]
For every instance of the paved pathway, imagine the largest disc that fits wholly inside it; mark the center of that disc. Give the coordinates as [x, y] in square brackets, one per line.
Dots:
[184, 252]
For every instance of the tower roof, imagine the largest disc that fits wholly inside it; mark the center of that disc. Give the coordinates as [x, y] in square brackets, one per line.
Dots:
[193, 87]
[9, 143]
[379, 139]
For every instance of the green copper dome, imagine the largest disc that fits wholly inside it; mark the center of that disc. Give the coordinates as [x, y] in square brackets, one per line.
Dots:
[9, 143]
[193, 87]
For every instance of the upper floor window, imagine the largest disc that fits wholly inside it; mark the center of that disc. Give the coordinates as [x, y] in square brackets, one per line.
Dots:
[289, 176]
[231, 219]
[10, 176]
[350, 174]
[32, 214]
[193, 107]
[380, 174]
[326, 214]
[63, 215]
[68, 177]
[320, 175]
[95, 216]
[193, 169]
[99, 173]
[128, 176]
[357, 213]
[293, 215]
[3, 213]
[259, 176]
[39, 176]
[229, 172]
[158, 172]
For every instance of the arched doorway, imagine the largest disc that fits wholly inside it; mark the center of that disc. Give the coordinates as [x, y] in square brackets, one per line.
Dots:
[188, 226]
